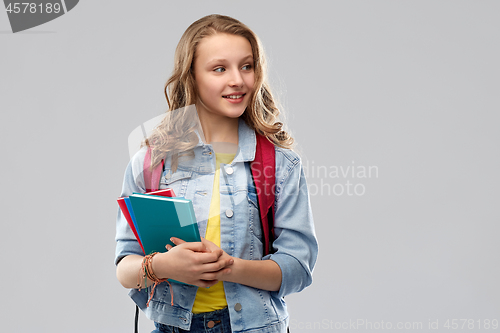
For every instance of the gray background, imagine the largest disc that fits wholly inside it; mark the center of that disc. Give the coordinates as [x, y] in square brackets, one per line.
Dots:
[411, 87]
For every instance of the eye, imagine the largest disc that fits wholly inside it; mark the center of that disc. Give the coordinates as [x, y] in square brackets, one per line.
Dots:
[220, 70]
[247, 67]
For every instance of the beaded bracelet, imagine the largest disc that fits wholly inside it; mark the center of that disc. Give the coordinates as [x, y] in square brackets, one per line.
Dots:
[146, 272]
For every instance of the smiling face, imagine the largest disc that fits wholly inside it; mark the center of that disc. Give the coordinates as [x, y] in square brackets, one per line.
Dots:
[224, 74]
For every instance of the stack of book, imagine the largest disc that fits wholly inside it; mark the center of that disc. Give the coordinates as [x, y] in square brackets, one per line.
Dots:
[157, 216]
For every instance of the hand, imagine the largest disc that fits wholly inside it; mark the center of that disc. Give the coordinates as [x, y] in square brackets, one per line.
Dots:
[192, 262]
[224, 259]
[211, 247]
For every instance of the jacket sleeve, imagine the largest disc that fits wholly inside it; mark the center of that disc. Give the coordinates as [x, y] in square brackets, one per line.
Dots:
[133, 181]
[295, 241]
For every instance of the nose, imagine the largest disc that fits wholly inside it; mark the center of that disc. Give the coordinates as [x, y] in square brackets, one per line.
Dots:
[236, 80]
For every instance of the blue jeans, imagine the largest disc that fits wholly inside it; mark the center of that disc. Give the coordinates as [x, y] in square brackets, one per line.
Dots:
[207, 322]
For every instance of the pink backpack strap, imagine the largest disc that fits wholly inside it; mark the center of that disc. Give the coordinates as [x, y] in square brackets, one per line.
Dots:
[264, 175]
[151, 177]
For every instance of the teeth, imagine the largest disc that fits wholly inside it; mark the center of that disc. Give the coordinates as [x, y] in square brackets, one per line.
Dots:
[234, 96]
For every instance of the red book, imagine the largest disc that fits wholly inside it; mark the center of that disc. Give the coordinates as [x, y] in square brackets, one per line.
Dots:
[123, 206]
[168, 192]
[125, 212]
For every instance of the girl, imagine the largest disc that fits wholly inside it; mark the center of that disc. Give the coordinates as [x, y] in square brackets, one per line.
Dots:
[231, 287]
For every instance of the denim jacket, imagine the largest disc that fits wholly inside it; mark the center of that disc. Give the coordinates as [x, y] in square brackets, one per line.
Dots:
[295, 245]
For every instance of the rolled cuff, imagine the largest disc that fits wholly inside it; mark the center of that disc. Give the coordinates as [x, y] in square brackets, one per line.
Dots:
[294, 276]
[125, 248]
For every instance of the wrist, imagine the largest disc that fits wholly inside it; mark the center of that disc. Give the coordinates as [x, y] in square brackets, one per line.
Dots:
[158, 265]
[236, 268]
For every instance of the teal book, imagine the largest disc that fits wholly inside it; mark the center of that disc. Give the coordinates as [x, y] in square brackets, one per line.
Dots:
[159, 218]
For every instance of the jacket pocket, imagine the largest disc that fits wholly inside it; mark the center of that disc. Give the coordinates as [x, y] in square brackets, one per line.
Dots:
[177, 182]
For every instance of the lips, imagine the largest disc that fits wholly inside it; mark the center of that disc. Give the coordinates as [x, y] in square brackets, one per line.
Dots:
[234, 96]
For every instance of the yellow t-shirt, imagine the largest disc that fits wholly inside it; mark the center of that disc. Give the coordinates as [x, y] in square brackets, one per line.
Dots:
[213, 298]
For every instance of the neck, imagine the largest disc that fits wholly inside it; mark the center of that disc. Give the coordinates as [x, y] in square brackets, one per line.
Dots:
[217, 128]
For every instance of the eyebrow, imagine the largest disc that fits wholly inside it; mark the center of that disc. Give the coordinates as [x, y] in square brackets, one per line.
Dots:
[222, 60]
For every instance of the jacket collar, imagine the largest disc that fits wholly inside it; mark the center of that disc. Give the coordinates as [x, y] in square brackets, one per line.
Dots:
[247, 142]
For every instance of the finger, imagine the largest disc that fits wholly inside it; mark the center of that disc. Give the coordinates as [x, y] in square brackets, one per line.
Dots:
[204, 242]
[216, 276]
[211, 247]
[168, 247]
[209, 244]
[176, 240]
[217, 266]
[194, 246]
[207, 257]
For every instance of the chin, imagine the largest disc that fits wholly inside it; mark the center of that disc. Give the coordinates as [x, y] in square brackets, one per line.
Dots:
[233, 113]
[237, 115]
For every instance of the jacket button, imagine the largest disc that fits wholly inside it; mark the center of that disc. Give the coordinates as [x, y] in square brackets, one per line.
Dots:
[229, 212]
[237, 307]
[229, 170]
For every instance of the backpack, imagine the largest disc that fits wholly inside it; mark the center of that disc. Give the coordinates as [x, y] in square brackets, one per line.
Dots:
[263, 174]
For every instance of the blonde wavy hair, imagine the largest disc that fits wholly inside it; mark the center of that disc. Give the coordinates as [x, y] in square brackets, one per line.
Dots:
[176, 133]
